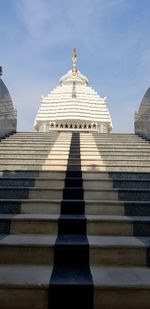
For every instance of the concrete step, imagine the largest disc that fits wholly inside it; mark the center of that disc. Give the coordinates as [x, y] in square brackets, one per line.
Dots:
[92, 207]
[64, 160]
[112, 168]
[96, 224]
[34, 156]
[25, 161]
[31, 182]
[118, 225]
[116, 147]
[30, 206]
[31, 193]
[29, 224]
[27, 249]
[104, 162]
[117, 250]
[33, 174]
[114, 157]
[24, 286]
[117, 194]
[125, 285]
[120, 184]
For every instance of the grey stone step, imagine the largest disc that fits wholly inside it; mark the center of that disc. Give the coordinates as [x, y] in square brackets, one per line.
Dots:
[96, 224]
[104, 162]
[31, 167]
[117, 225]
[125, 286]
[27, 249]
[24, 286]
[112, 168]
[31, 182]
[117, 194]
[31, 193]
[117, 147]
[120, 184]
[34, 155]
[45, 160]
[117, 250]
[30, 206]
[29, 224]
[33, 174]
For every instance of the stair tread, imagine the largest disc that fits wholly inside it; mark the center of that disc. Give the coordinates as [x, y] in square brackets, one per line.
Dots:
[20, 217]
[128, 277]
[28, 239]
[25, 276]
[115, 241]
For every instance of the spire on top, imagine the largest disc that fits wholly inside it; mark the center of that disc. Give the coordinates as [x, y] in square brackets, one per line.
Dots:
[74, 59]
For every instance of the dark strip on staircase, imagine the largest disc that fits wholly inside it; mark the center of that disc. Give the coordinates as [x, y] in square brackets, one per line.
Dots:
[71, 284]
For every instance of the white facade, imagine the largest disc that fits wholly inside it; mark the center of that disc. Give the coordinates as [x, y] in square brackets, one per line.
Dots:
[73, 106]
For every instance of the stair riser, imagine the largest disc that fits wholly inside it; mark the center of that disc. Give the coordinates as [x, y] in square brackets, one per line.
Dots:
[26, 255]
[112, 297]
[126, 184]
[59, 184]
[26, 296]
[104, 210]
[32, 167]
[117, 256]
[100, 195]
[30, 208]
[95, 168]
[31, 194]
[89, 185]
[104, 163]
[110, 228]
[34, 227]
[129, 176]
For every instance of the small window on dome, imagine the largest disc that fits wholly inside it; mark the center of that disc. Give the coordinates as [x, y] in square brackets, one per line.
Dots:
[94, 125]
[52, 125]
[84, 126]
[66, 126]
[80, 127]
[61, 126]
[71, 126]
[56, 125]
[89, 126]
[75, 126]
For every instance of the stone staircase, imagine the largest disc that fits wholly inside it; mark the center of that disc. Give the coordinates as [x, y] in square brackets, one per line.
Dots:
[74, 221]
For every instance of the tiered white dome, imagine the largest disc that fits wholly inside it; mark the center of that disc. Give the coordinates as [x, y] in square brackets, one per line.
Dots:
[73, 105]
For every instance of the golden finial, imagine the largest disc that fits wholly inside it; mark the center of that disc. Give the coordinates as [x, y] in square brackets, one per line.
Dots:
[74, 59]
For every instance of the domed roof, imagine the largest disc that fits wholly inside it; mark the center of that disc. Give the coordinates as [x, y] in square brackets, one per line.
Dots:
[6, 105]
[73, 100]
[144, 109]
[73, 78]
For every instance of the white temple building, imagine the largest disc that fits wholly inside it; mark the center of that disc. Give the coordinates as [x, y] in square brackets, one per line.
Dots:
[73, 106]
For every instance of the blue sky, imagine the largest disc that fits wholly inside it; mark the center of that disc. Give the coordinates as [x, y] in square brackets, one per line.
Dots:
[112, 38]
